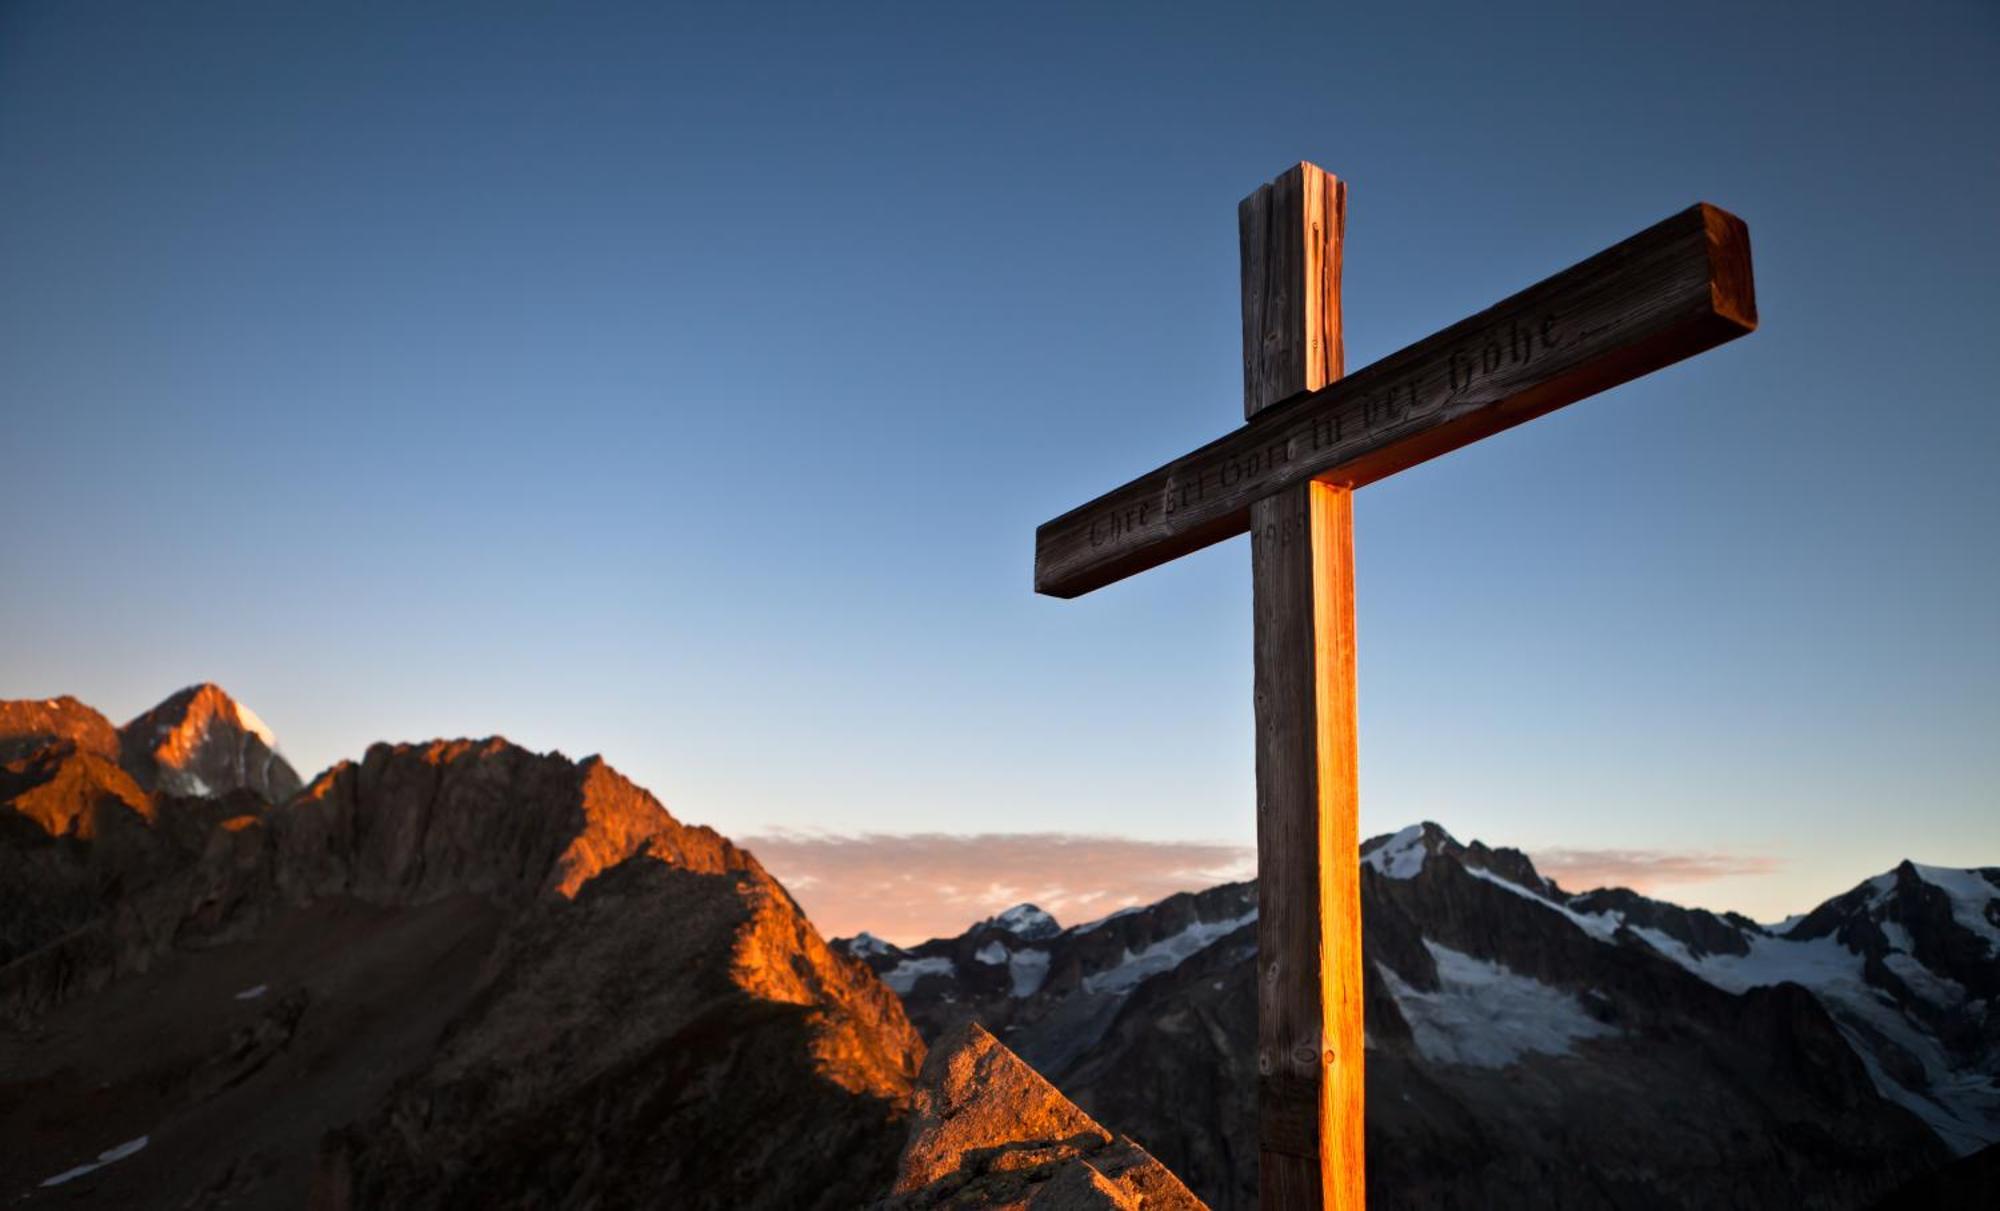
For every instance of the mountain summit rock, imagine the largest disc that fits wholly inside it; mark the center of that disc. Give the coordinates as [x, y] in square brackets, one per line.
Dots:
[989, 1132]
[448, 974]
[201, 741]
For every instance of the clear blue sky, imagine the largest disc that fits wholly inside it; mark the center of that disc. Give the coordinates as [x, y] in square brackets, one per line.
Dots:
[687, 386]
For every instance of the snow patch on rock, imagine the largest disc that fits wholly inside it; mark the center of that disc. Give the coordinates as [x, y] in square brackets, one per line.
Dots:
[247, 720]
[904, 975]
[1484, 1015]
[104, 1158]
[1029, 969]
[1938, 990]
[992, 954]
[1401, 856]
[1164, 955]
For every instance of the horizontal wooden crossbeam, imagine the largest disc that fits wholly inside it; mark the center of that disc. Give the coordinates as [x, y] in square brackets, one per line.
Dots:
[1679, 287]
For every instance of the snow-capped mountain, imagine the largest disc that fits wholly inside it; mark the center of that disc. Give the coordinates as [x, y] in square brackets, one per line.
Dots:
[1051, 992]
[108, 808]
[201, 741]
[1516, 1030]
[1026, 922]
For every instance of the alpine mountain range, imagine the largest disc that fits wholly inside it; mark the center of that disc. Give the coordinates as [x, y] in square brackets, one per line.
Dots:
[462, 973]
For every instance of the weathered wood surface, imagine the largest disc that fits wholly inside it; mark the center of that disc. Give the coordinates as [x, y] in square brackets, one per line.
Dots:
[1310, 1101]
[1289, 236]
[1679, 287]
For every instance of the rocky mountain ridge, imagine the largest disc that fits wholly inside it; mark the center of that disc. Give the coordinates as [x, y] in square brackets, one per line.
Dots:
[463, 973]
[1518, 1032]
[455, 973]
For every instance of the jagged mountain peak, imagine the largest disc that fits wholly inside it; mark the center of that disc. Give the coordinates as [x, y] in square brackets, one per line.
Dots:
[422, 820]
[1969, 896]
[866, 945]
[200, 741]
[1485, 978]
[1024, 921]
[1403, 855]
[456, 973]
[204, 701]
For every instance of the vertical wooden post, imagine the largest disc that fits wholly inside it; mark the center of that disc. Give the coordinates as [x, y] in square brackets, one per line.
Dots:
[1288, 233]
[1310, 1101]
[1309, 1049]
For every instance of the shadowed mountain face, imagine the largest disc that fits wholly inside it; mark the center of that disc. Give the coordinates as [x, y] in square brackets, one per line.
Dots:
[1528, 1047]
[454, 974]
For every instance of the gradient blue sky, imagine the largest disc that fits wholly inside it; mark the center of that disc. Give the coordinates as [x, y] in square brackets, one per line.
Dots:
[686, 386]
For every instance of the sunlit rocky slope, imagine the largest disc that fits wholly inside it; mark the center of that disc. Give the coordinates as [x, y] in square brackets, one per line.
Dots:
[1528, 1047]
[452, 974]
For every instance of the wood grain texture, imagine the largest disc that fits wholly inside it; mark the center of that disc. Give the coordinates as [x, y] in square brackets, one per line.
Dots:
[1310, 1100]
[1676, 289]
[1288, 234]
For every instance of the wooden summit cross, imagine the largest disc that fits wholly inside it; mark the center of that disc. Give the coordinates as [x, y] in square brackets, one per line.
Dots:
[1287, 475]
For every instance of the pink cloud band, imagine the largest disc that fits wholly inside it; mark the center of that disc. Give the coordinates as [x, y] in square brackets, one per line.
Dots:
[1643, 870]
[912, 886]
[908, 887]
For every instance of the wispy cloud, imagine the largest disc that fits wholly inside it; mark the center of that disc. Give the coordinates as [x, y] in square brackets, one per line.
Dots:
[911, 886]
[1644, 870]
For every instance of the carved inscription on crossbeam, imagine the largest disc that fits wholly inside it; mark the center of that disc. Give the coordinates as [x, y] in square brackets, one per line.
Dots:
[1458, 381]
[1676, 289]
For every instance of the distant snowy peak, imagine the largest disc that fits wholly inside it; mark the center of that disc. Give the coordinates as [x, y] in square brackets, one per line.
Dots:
[1489, 964]
[866, 945]
[1026, 922]
[1404, 855]
[1908, 966]
[203, 742]
[1946, 902]
[1401, 855]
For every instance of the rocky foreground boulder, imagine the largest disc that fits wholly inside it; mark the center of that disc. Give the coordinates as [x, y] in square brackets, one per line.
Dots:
[989, 1132]
[451, 974]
